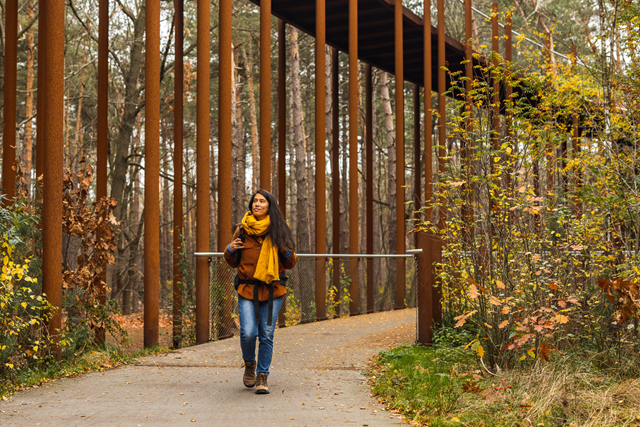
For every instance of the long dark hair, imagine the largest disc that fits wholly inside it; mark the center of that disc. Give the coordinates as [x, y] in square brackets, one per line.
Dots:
[279, 231]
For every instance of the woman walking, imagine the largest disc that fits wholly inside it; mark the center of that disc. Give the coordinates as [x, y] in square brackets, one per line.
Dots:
[261, 250]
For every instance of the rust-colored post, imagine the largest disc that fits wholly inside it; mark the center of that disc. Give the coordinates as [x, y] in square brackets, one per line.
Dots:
[417, 168]
[224, 130]
[152, 176]
[353, 154]
[321, 184]
[265, 94]
[42, 82]
[335, 170]
[399, 65]
[102, 135]
[282, 117]
[202, 166]
[10, 81]
[282, 136]
[178, 118]
[53, 153]
[368, 141]
[426, 241]
[442, 142]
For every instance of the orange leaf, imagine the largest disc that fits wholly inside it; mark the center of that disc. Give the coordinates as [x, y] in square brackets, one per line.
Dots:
[553, 287]
[503, 324]
[473, 292]
[544, 351]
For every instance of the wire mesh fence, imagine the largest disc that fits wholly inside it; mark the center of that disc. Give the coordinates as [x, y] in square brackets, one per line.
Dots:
[349, 285]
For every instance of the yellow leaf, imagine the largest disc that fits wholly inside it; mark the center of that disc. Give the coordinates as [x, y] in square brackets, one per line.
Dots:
[522, 358]
[35, 348]
[562, 319]
[24, 305]
[480, 351]
[532, 352]
[503, 324]
[10, 365]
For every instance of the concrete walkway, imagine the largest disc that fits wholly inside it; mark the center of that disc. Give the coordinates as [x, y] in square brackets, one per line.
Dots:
[315, 380]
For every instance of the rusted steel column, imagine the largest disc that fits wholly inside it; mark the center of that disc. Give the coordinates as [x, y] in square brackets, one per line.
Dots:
[53, 153]
[202, 166]
[417, 169]
[354, 306]
[369, 178]
[335, 170]
[102, 135]
[442, 138]
[426, 241]
[282, 117]
[152, 175]
[399, 64]
[224, 138]
[321, 184]
[265, 94]
[178, 118]
[282, 136]
[10, 80]
[41, 82]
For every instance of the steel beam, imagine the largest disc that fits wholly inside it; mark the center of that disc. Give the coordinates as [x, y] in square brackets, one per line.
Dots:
[53, 153]
[426, 241]
[202, 166]
[442, 142]
[152, 175]
[265, 94]
[400, 235]
[178, 117]
[335, 169]
[321, 184]
[224, 139]
[102, 135]
[10, 81]
[369, 182]
[354, 306]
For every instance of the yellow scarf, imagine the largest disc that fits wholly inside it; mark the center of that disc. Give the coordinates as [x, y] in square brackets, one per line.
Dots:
[268, 268]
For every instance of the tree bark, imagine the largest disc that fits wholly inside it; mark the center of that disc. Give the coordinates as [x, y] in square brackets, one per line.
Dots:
[28, 132]
[299, 141]
[391, 173]
[248, 62]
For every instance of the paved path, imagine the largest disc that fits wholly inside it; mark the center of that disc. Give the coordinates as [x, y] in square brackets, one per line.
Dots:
[315, 381]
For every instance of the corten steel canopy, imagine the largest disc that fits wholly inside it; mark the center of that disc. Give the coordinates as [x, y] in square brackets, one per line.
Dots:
[375, 35]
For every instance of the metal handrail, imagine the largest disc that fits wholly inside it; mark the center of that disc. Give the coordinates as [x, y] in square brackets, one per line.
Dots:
[410, 254]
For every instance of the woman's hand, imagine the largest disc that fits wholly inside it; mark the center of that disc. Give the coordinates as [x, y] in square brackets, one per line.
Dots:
[236, 244]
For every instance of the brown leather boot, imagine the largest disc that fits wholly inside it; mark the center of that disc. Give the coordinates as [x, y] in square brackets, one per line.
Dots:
[249, 378]
[261, 384]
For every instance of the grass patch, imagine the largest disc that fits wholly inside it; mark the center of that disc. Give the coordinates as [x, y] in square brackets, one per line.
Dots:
[443, 386]
[92, 360]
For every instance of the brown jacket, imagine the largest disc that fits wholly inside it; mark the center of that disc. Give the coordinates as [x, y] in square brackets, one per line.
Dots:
[247, 267]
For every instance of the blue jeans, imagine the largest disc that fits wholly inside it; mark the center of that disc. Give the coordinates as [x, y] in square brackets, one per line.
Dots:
[250, 329]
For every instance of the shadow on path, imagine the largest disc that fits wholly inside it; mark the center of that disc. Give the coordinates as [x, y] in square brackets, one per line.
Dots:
[315, 381]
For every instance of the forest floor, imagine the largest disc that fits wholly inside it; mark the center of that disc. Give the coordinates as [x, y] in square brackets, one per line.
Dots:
[316, 379]
[133, 323]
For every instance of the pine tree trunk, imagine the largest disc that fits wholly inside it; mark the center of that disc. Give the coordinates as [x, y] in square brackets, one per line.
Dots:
[28, 133]
[255, 162]
[299, 141]
[391, 181]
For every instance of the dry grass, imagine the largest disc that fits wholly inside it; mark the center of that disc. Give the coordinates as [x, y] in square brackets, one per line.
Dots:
[555, 395]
